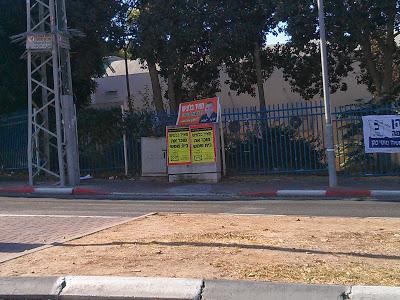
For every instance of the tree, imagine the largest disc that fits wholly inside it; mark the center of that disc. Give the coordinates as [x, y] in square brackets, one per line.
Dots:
[123, 37]
[13, 91]
[241, 43]
[359, 32]
[94, 18]
[97, 20]
[175, 37]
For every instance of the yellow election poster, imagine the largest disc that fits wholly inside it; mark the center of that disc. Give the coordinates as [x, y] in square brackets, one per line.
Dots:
[203, 144]
[178, 146]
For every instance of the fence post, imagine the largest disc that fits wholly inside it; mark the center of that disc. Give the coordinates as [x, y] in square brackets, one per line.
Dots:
[125, 146]
[222, 137]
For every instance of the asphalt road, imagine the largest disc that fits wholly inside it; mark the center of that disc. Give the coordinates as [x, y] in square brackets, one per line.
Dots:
[130, 208]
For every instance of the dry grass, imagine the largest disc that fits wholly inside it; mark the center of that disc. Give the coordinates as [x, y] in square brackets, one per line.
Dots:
[274, 248]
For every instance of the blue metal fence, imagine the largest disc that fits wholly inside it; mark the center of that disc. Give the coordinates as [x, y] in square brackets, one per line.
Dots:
[285, 138]
[13, 141]
[282, 139]
[349, 140]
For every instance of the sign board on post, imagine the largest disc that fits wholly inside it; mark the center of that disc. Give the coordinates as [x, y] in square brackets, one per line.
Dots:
[382, 134]
[39, 41]
[202, 144]
[198, 112]
[178, 146]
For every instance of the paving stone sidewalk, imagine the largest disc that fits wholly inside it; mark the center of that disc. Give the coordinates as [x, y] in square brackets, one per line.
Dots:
[21, 234]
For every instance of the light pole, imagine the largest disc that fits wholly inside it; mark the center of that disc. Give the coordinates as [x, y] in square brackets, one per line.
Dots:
[330, 150]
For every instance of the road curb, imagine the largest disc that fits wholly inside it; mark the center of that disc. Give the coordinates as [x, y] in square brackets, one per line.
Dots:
[98, 287]
[89, 191]
[340, 192]
[31, 287]
[238, 290]
[375, 293]
[329, 193]
[17, 190]
[82, 287]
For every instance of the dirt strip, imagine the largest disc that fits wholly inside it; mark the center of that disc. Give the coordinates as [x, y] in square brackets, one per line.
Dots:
[327, 250]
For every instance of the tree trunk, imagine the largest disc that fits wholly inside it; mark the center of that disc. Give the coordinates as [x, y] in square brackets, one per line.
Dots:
[371, 66]
[260, 79]
[128, 88]
[387, 86]
[173, 106]
[156, 87]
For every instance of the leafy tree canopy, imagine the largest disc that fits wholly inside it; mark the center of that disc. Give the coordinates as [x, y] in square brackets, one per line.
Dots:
[96, 19]
[360, 33]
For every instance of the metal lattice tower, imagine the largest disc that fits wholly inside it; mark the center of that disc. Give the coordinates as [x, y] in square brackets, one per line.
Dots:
[52, 135]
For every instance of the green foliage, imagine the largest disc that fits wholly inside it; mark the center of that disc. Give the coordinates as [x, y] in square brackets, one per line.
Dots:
[94, 18]
[99, 128]
[13, 90]
[278, 149]
[359, 34]
[351, 147]
[241, 26]
[176, 38]
[101, 137]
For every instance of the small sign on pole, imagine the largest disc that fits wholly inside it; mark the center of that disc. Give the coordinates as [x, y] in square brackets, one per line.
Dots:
[39, 41]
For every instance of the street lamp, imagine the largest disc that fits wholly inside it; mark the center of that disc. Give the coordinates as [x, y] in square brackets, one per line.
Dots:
[330, 151]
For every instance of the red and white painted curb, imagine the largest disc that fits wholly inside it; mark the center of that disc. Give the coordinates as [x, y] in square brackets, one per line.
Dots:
[88, 191]
[53, 191]
[329, 193]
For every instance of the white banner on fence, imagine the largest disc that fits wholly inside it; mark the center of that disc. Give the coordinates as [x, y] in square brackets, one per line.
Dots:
[382, 134]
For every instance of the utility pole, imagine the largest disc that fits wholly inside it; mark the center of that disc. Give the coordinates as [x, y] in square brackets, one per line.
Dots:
[330, 150]
[52, 138]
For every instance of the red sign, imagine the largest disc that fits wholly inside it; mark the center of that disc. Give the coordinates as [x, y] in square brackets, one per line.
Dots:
[198, 112]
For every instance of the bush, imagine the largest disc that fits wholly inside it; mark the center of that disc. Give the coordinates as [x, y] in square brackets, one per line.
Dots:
[276, 149]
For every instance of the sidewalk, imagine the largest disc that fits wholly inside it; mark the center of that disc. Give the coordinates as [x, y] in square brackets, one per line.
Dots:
[230, 188]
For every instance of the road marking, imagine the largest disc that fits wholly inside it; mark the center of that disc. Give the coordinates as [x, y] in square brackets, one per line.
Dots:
[64, 216]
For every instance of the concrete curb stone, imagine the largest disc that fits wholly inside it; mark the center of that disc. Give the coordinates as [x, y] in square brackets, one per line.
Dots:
[92, 287]
[238, 290]
[375, 293]
[97, 287]
[31, 287]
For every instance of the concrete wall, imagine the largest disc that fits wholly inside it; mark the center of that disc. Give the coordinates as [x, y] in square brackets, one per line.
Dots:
[111, 90]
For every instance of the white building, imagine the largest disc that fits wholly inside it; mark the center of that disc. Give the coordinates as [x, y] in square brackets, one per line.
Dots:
[111, 89]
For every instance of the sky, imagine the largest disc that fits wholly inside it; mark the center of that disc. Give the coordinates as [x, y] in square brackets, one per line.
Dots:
[281, 39]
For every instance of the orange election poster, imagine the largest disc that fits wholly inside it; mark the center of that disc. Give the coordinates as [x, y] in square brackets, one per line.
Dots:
[198, 112]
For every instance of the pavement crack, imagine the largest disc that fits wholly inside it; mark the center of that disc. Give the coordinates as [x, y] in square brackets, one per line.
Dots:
[347, 295]
[60, 286]
[203, 285]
